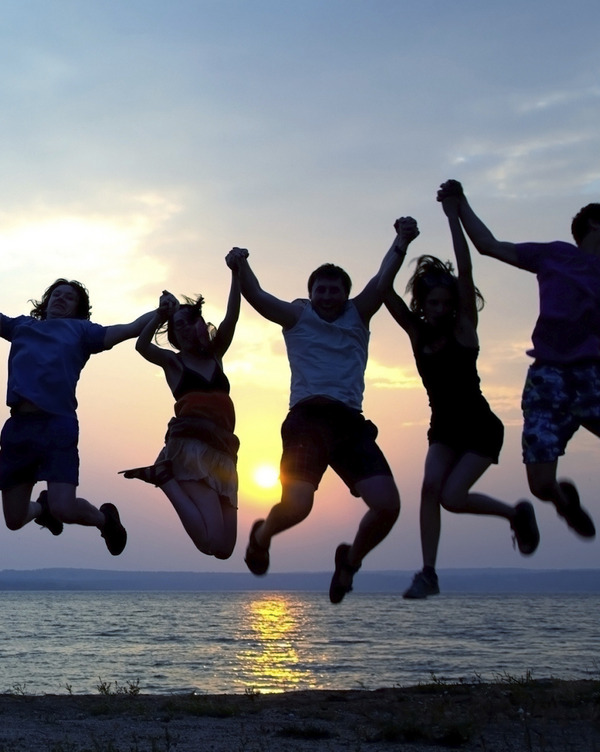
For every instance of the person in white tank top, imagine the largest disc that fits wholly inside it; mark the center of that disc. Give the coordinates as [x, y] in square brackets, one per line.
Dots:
[327, 339]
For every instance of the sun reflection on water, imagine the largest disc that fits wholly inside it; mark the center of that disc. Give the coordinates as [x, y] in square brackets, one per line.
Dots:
[271, 660]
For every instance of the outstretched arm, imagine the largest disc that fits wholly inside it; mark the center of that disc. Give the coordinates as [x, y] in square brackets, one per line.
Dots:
[279, 311]
[120, 332]
[370, 299]
[226, 328]
[479, 234]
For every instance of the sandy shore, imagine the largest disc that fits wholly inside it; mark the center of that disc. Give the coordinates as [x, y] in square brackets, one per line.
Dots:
[505, 717]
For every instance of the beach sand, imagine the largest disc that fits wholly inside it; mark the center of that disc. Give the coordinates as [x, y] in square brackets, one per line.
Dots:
[508, 716]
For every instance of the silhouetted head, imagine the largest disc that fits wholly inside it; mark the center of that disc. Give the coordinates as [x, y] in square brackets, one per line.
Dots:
[63, 299]
[328, 289]
[434, 291]
[581, 224]
[187, 329]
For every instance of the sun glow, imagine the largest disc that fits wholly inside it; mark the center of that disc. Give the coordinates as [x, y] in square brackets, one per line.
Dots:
[266, 476]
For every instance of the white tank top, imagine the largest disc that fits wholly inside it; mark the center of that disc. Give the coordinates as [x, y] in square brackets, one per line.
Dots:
[328, 358]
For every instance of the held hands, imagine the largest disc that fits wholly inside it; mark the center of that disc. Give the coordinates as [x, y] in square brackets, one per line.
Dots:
[167, 305]
[235, 257]
[449, 195]
[407, 230]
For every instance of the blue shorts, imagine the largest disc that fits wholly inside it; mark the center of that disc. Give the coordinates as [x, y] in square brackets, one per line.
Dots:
[320, 435]
[39, 446]
[557, 400]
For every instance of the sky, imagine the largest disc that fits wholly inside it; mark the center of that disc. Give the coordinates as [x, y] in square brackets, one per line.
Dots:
[140, 141]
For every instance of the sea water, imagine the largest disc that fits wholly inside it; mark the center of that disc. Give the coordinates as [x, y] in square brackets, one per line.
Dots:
[85, 642]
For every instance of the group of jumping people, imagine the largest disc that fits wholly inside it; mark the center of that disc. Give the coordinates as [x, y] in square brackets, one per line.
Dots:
[326, 337]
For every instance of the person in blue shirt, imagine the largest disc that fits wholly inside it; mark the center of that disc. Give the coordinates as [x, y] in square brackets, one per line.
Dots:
[39, 441]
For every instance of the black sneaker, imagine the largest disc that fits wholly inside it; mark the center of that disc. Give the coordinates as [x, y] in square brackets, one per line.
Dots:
[525, 528]
[573, 513]
[46, 518]
[422, 586]
[113, 532]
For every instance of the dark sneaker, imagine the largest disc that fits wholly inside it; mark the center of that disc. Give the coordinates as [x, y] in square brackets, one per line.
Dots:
[337, 589]
[46, 518]
[114, 534]
[422, 586]
[573, 513]
[257, 556]
[525, 528]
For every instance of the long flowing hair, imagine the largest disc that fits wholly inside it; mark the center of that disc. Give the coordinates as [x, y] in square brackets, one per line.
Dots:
[432, 272]
[194, 306]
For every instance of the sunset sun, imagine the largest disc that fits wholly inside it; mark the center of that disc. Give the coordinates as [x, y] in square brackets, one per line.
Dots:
[266, 476]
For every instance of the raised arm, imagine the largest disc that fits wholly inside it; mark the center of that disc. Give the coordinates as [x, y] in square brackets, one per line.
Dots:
[226, 328]
[147, 349]
[370, 299]
[480, 235]
[466, 287]
[389, 268]
[279, 311]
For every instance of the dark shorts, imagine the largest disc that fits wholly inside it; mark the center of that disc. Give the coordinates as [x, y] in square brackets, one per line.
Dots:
[38, 447]
[317, 436]
[556, 401]
[474, 431]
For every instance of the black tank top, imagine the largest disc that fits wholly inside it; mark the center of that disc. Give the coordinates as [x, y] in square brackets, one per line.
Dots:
[450, 376]
[192, 381]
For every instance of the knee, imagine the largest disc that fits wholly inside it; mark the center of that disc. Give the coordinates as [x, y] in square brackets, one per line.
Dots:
[295, 507]
[222, 554]
[453, 501]
[13, 523]
[391, 515]
[388, 513]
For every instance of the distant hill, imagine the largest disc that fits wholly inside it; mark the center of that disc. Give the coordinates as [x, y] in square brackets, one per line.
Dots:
[451, 580]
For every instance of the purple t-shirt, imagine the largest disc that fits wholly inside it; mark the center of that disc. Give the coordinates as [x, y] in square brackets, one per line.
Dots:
[568, 326]
[46, 358]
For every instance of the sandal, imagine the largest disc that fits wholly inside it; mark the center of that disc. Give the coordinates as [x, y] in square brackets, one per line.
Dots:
[337, 590]
[257, 556]
[158, 474]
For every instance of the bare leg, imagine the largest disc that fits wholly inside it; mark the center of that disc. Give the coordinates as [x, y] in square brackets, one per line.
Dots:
[297, 498]
[229, 530]
[543, 483]
[438, 465]
[295, 505]
[381, 496]
[201, 513]
[563, 494]
[18, 507]
[457, 499]
[455, 493]
[66, 506]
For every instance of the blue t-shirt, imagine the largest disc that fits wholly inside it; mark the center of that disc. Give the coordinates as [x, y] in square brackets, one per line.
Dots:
[46, 359]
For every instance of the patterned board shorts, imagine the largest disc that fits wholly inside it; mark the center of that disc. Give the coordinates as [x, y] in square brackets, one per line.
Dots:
[556, 401]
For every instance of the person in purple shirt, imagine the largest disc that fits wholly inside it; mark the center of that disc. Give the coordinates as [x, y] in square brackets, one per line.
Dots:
[39, 441]
[562, 388]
